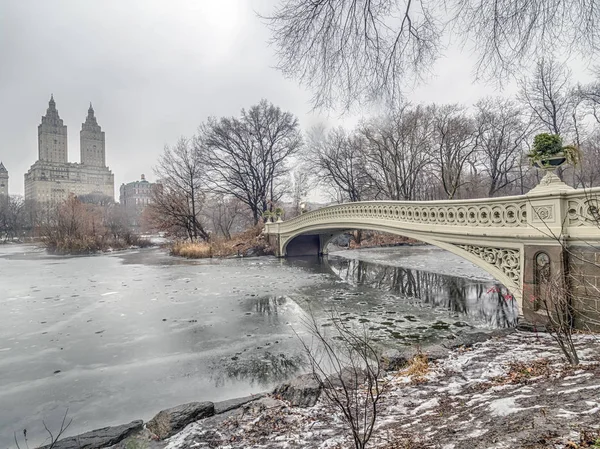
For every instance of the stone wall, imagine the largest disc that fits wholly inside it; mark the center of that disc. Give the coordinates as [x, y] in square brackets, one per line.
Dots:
[584, 266]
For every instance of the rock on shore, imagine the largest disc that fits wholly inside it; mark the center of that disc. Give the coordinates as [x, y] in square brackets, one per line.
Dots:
[99, 438]
[509, 392]
[170, 421]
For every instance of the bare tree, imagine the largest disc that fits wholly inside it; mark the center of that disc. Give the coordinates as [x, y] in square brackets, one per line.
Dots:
[507, 34]
[300, 187]
[399, 151]
[455, 142]
[247, 157]
[590, 95]
[177, 204]
[356, 386]
[557, 303]
[354, 51]
[339, 159]
[588, 174]
[549, 96]
[503, 133]
[13, 217]
[116, 220]
[225, 213]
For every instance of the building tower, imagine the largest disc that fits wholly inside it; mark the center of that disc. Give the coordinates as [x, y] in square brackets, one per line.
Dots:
[3, 180]
[52, 136]
[92, 141]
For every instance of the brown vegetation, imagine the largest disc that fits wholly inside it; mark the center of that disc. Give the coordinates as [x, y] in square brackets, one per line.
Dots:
[417, 368]
[247, 243]
[375, 239]
[74, 227]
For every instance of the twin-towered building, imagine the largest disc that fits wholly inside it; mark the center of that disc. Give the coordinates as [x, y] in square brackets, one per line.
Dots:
[52, 178]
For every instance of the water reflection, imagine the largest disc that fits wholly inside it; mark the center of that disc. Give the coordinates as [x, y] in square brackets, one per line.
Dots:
[258, 369]
[485, 301]
[268, 305]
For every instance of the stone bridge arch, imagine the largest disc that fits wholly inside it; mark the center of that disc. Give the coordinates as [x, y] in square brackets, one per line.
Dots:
[503, 263]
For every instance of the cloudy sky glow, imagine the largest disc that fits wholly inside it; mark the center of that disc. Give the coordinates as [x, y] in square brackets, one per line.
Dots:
[154, 70]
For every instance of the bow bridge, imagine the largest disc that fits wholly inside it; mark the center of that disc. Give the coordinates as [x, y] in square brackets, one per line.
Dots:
[519, 240]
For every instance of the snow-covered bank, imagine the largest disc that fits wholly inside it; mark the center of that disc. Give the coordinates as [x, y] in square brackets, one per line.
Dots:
[512, 392]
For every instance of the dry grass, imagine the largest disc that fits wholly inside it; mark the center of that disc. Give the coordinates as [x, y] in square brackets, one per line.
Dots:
[192, 250]
[417, 368]
[247, 243]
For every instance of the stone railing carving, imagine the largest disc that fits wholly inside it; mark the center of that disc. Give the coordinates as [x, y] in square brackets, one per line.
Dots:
[577, 209]
[480, 213]
[583, 209]
[507, 260]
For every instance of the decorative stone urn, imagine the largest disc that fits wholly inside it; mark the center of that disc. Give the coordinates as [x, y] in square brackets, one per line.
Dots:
[551, 181]
[551, 163]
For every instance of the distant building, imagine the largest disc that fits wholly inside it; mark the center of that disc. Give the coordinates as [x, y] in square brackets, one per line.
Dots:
[3, 180]
[52, 178]
[135, 196]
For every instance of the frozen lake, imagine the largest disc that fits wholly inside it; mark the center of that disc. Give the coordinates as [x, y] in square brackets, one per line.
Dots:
[119, 337]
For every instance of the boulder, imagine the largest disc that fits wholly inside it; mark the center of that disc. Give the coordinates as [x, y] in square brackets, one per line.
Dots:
[303, 391]
[98, 438]
[393, 359]
[232, 404]
[434, 352]
[349, 377]
[170, 421]
[468, 339]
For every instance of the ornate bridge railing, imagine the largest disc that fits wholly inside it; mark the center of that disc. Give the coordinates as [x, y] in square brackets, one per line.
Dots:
[578, 208]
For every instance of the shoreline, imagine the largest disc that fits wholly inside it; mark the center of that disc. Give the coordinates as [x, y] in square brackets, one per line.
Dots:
[513, 391]
[450, 354]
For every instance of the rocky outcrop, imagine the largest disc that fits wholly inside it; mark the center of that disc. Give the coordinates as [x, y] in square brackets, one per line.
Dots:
[98, 438]
[170, 421]
[303, 391]
[232, 404]
[349, 377]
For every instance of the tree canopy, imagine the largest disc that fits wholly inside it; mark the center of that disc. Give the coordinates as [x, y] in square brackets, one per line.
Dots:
[354, 51]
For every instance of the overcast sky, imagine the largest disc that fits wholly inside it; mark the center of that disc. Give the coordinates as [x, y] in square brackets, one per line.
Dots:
[154, 70]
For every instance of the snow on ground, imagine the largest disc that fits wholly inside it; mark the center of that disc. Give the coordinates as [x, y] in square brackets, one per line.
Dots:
[512, 392]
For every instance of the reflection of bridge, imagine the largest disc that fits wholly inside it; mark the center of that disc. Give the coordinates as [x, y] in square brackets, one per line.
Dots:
[509, 237]
[455, 294]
